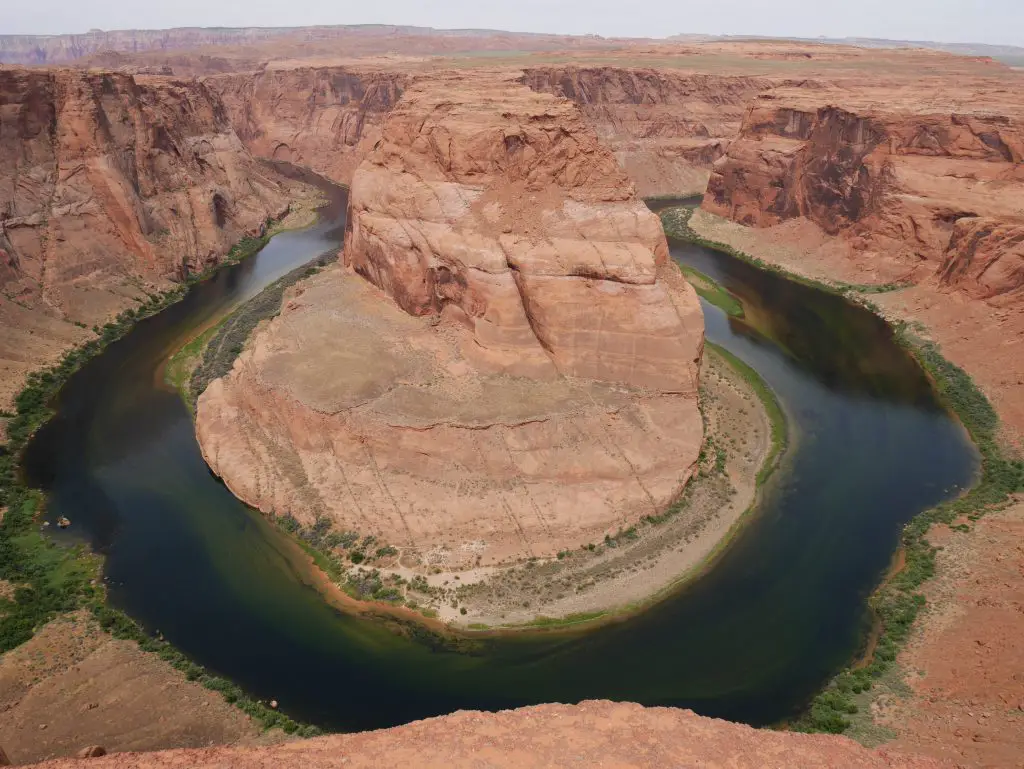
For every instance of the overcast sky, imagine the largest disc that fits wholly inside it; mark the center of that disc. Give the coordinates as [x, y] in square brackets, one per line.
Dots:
[980, 21]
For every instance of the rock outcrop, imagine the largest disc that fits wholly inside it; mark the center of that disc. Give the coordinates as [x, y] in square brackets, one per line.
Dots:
[666, 128]
[507, 368]
[593, 733]
[935, 188]
[325, 118]
[110, 185]
[506, 210]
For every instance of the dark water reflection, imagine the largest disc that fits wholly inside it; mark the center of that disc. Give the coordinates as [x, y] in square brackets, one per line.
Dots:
[751, 641]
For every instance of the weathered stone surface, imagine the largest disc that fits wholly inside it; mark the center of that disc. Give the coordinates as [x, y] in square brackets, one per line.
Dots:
[504, 206]
[932, 187]
[985, 257]
[111, 185]
[666, 128]
[104, 176]
[593, 733]
[524, 380]
[324, 118]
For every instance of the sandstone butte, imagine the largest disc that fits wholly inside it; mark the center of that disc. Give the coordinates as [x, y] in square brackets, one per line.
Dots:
[864, 166]
[519, 372]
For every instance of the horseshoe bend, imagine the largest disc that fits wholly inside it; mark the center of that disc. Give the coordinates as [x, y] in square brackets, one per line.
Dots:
[520, 362]
[399, 381]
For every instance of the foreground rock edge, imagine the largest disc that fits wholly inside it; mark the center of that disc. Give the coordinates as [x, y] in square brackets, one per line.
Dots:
[592, 732]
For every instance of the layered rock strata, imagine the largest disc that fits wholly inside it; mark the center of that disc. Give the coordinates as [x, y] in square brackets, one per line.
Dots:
[930, 185]
[506, 367]
[325, 118]
[111, 185]
[665, 128]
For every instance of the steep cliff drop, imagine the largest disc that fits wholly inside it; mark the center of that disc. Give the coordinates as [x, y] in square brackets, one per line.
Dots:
[665, 128]
[325, 118]
[111, 186]
[922, 190]
[905, 187]
[506, 368]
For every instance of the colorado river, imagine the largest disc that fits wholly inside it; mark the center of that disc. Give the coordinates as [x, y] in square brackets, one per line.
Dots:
[752, 640]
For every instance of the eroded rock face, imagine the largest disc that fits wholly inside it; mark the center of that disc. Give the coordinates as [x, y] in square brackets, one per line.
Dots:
[110, 186]
[325, 118]
[985, 257]
[507, 367]
[505, 210]
[106, 178]
[933, 188]
[665, 128]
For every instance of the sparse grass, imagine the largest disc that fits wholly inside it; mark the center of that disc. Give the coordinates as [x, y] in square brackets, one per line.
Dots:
[713, 292]
[772, 406]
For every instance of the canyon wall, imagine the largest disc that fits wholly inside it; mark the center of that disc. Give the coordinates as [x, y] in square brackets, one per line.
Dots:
[111, 186]
[324, 118]
[665, 128]
[934, 190]
[519, 368]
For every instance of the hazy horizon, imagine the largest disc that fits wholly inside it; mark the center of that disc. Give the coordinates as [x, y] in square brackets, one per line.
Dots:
[992, 22]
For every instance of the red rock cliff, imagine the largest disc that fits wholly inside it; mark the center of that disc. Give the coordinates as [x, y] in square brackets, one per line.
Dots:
[937, 189]
[109, 183]
[324, 118]
[665, 128]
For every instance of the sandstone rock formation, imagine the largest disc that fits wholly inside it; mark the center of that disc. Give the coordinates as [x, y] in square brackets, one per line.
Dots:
[110, 184]
[324, 118]
[666, 128]
[524, 380]
[505, 210]
[934, 183]
[106, 176]
[589, 734]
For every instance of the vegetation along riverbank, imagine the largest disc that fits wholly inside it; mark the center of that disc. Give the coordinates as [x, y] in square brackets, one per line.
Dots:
[626, 571]
[43, 580]
[897, 602]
